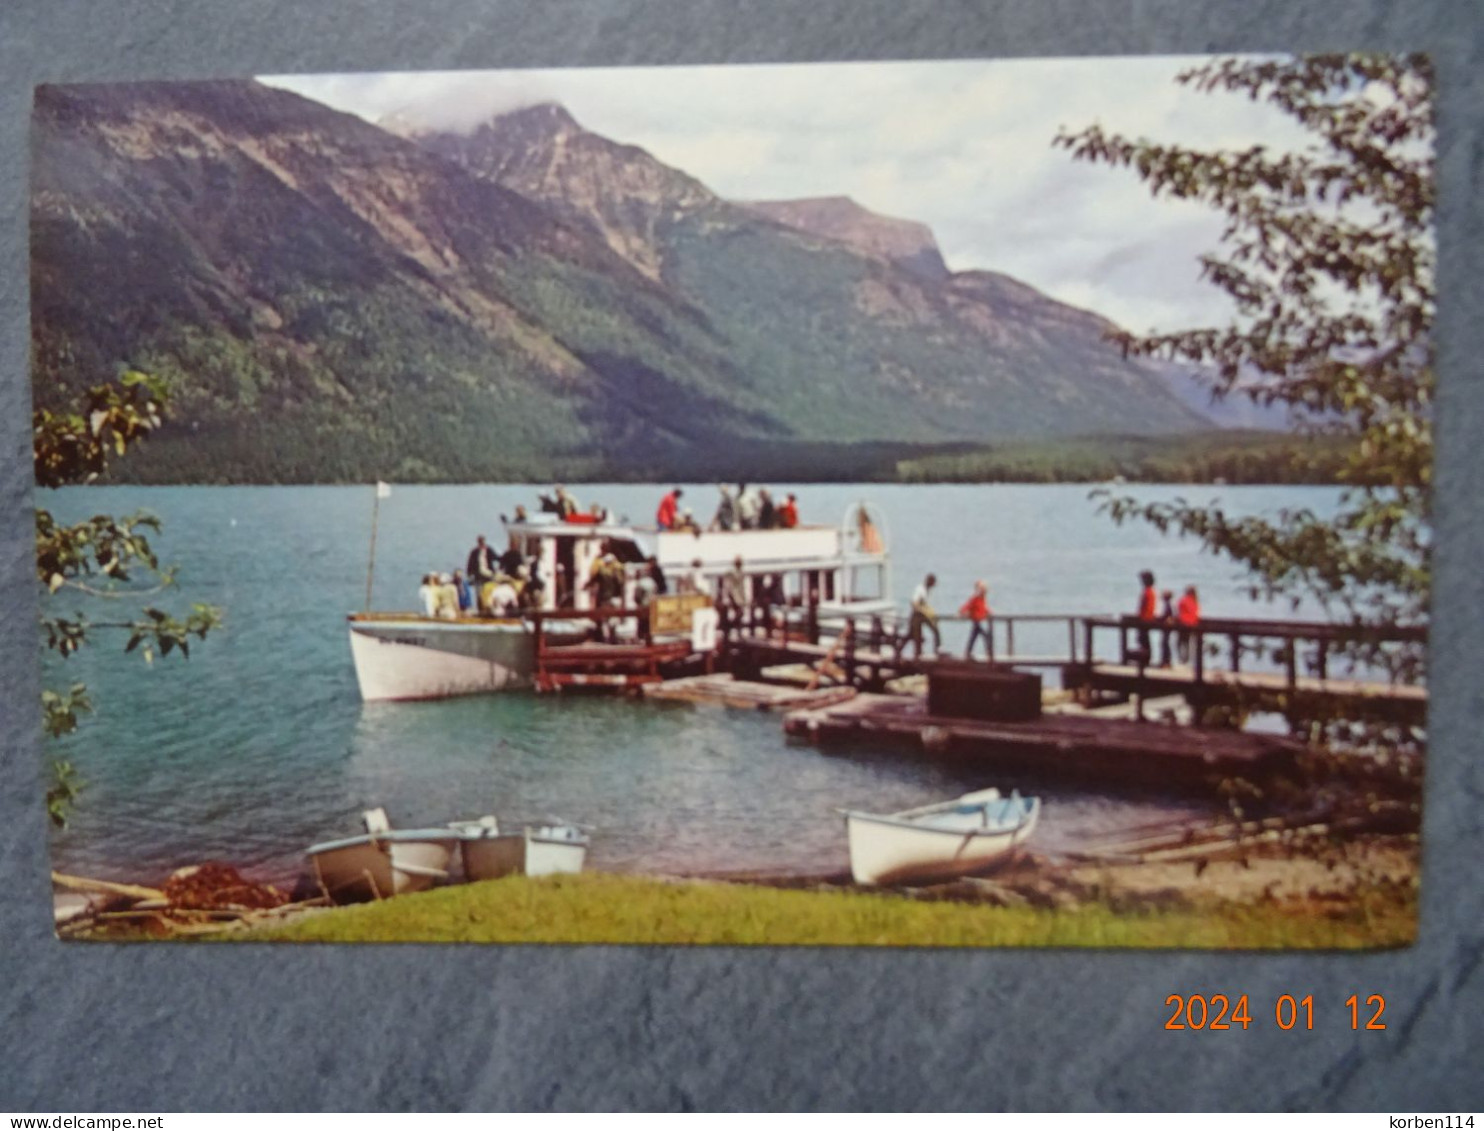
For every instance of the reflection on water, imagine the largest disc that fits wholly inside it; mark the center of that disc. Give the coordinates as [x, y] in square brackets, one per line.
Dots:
[259, 745]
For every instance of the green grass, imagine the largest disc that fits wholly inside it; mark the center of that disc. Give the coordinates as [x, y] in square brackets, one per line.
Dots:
[601, 908]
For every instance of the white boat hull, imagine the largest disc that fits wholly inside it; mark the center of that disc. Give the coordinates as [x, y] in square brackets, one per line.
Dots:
[890, 850]
[551, 852]
[560, 850]
[381, 866]
[412, 658]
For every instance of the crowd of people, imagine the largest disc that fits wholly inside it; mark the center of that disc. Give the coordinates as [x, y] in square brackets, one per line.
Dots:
[745, 509]
[1157, 612]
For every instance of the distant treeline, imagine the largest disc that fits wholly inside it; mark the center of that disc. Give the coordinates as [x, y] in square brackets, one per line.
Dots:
[1201, 457]
[258, 452]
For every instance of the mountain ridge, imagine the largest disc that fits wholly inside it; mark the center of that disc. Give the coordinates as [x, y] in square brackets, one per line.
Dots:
[334, 302]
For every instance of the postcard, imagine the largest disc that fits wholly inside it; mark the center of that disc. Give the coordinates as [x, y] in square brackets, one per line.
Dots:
[966, 503]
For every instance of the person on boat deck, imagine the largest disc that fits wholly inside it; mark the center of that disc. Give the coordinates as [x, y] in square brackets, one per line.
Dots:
[1148, 614]
[511, 559]
[688, 524]
[566, 505]
[1166, 618]
[788, 513]
[695, 580]
[922, 617]
[976, 608]
[661, 586]
[767, 511]
[734, 594]
[446, 599]
[606, 579]
[749, 506]
[428, 594]
[665, 517]
[501, 597]
[726, 510]
[465, 593]
[481, 564]
[1187, 615]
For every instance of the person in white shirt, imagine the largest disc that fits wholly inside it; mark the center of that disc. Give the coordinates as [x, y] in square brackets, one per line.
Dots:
[749, 506]
[922, 617]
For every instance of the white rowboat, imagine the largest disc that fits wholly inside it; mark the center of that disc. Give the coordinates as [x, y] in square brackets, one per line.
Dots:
[941, 841]
[382, 863]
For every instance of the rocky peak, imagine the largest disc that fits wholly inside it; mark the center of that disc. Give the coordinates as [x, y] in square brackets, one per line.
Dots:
[620, 191]
[906, 242]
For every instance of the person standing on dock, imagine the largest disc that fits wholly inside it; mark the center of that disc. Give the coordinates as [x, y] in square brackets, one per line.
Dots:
[1148, 614]
[976, 608]
[669, 510]
[922, 617]
[1166, 618]
[1187, 615]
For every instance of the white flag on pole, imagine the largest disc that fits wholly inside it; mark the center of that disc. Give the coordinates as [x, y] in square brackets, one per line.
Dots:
[383, 490]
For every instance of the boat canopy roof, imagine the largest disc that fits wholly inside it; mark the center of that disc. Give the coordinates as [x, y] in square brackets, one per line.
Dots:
[814, 546]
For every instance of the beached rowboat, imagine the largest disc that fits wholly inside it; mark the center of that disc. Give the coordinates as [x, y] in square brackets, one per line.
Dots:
[382, 863]
[547, 850]
[938, 842]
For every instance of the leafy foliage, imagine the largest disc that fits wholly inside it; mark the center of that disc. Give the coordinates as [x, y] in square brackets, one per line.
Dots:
[1328, 255]
[103, 556]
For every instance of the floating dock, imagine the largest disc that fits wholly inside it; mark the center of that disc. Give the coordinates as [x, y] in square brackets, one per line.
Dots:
[1062, 746]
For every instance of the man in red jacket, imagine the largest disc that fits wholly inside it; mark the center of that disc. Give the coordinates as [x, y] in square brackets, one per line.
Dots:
[976, 608]
[665, 517]
[1187, 615]
[1148, 614]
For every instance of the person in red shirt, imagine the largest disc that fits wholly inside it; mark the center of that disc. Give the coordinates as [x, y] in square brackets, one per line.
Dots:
[976, 608]
[665, 517]
[788, 513]
[1187, 615]
[1148, 614]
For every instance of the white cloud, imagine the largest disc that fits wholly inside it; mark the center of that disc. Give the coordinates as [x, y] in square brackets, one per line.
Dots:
[963, 146]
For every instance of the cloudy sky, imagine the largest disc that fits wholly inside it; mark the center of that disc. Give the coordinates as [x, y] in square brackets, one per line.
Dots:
[964, 147]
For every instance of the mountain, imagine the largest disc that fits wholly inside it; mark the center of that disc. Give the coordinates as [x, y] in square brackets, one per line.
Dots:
[336, 301]
[837, 316]
[333, 302]
[904, 242]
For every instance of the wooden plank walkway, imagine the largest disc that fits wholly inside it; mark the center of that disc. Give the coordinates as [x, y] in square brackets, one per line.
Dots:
[1400, 701]
[1055, 747]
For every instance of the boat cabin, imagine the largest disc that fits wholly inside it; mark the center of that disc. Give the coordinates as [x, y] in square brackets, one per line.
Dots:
[839, 570]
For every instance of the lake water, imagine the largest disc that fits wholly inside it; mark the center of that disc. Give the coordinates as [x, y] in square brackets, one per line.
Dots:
[259, 745]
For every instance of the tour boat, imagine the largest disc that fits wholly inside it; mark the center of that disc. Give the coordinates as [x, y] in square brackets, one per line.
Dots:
[382, 863]
[838, 571]
[939, 842]
[546, 850]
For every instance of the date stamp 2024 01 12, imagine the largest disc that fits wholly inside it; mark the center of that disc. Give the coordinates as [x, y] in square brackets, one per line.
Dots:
[1220, 1011]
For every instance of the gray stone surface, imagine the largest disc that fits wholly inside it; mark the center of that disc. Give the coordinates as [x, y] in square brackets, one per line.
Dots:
[171, 1027]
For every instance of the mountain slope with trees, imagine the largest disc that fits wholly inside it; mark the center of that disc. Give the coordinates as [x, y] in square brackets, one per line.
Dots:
[330, 301]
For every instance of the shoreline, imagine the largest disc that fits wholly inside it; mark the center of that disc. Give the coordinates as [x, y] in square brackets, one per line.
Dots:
[1321, 879]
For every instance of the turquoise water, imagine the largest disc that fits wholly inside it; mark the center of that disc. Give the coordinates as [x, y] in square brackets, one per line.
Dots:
[259, 745]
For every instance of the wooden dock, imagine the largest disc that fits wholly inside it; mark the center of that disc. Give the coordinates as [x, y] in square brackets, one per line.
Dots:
[1298, 694]
[1061, 747]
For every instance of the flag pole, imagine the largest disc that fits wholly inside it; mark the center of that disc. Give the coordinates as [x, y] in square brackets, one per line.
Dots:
[371, 565]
